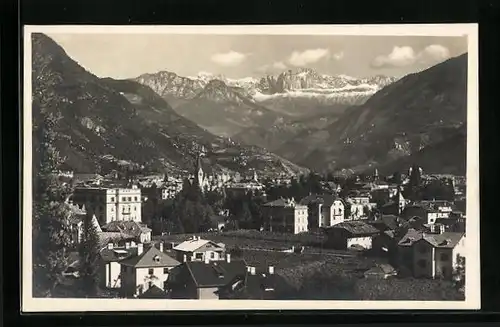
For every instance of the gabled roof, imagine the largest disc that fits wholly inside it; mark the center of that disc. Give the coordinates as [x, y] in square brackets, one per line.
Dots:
[444, 240]
[410, 237]
[215, 273]
[112, 237]
[154, 292]
[117, 254]
[381, 269]
[151, 257]
[193, 245]
[355, 227]
[127, 227]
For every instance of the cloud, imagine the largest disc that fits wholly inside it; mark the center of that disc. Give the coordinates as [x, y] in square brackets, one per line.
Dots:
[231, 58]
[406, 56]
[338, 55]
[307, 57]
[269, 69]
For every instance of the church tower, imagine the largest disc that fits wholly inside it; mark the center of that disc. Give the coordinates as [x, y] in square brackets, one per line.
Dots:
[375, 175]
[199, 172]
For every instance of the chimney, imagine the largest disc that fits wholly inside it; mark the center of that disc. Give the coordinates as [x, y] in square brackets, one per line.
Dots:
[184, 259]
[207, 258]
[127, 245]
[228, 258]
[252, 270]
[161, 246]
[140, 248]
[271, 270]
[110, 245]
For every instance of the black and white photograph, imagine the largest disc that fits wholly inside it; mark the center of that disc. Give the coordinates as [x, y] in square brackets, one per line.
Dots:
[250, 167]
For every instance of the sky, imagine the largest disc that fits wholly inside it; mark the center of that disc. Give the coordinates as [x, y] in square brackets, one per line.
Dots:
[237, 56]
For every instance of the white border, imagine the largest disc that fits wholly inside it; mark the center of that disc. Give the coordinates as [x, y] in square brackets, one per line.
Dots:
[472, 296]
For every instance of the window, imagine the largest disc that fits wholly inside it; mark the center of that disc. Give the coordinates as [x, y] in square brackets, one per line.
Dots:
[135, 198]
[444, 257]
[112, 209]
[112, 199]
[151, 271]
[199, 256]
[123, 198]
[212, 255]
[129, 198]
[165, 270]
[422, 263]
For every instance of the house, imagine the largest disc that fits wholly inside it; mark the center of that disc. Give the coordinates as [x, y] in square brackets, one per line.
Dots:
[204, 280]
[257, 284]
[325, 210]
[110, 204]
[350, 234]
[139, 231]
[83, 178]
[381, 271]
[425, 210]
[197, 249]
[285, 216]
[218, 222]
[110, 269]
[151, 266]
[431, 255]
[386, 222]
[154, 292]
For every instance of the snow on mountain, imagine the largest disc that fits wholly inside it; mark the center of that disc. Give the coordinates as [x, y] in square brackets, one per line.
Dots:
[302, 83]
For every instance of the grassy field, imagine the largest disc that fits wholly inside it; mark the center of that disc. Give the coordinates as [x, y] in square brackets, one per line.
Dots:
[256, 240]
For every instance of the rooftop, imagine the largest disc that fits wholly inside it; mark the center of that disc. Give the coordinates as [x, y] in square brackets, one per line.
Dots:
[151, 257]
[216, 273]
[356, 227]
[194, 244]
[132, 228]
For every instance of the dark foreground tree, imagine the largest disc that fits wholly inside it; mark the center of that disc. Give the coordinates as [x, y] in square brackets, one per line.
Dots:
[51, 236]
[90, 262]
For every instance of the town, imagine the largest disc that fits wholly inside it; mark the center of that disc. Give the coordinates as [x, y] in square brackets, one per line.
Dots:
[219, 235]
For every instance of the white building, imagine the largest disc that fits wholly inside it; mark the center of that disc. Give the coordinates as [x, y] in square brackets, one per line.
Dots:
[285, 216]
[110, 204]
[151, 266]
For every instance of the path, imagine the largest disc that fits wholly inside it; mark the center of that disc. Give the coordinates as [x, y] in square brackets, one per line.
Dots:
[343, 255]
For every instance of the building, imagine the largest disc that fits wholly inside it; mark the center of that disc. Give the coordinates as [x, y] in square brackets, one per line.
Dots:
[258, 284]
[151, 266]
[381, 271]
[76, 220]
[110, 269]
[351, 234]
[110, 204]
[204, 280]
[196, 249]
[170, 189]
[138, 231]
[431, 255]
[285, 216]
[427, 211]
[324, 210]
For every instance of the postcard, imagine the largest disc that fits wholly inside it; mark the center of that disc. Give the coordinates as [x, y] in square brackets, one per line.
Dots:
[248, 167]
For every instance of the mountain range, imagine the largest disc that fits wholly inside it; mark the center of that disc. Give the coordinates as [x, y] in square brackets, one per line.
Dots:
[406, 121]
[111, 124]
[238, 104]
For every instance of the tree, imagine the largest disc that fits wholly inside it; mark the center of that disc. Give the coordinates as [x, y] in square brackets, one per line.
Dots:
[89, 251]
[51, 236]
[396, 178]
[413, 189]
